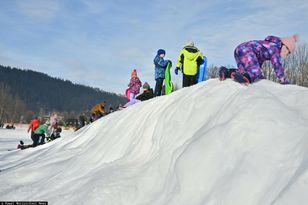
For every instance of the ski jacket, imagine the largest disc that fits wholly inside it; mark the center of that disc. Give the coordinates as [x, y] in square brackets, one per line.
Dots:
[146, 95]
[42, 129]
[135, 85]
[267, 49]
[99, 108]
[53, 120]
[160, 67]
[189, 60]
[34, 124]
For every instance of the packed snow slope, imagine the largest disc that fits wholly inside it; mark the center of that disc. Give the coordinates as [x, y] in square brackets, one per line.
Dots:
[213, 143]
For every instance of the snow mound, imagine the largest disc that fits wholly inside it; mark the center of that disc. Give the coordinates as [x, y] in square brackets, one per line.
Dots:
[213, 143]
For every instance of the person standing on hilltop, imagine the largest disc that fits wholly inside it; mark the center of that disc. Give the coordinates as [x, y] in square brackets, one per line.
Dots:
[160, 67]
[133, 88]
[189, 60]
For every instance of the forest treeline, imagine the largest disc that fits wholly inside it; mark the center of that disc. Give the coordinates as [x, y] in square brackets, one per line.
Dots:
[26, 93]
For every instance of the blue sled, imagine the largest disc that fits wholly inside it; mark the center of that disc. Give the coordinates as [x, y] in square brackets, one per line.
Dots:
[202, 70]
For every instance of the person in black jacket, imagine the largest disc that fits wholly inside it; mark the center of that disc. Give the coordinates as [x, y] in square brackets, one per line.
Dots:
[147, 93]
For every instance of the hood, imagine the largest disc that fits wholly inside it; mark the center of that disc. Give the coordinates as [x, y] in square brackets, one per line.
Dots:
[191, 53]
[274, 39]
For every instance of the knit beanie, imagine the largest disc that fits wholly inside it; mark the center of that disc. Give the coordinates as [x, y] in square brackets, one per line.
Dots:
[161, 51]
[189, 43]
[134, 73]
[146, 86]
[290, 42]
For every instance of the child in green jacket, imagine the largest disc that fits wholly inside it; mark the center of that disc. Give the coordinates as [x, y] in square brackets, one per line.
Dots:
[39, 134]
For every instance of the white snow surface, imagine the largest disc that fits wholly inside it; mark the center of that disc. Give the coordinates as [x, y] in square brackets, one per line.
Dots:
[215, 143]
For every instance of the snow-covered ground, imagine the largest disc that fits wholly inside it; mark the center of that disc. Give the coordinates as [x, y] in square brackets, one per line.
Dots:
[9, 139]
[216, 143]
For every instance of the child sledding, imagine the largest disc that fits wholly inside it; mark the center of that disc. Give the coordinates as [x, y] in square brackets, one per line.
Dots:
[42, 133]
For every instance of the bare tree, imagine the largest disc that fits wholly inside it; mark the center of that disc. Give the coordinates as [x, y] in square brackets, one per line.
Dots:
[296, 66]
[11, 107]
[212, 72]
[268, 71]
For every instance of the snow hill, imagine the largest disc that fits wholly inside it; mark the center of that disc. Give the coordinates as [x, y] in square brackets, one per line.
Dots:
[216, 143]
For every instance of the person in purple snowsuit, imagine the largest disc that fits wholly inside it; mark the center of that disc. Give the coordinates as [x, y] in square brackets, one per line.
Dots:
[250, 56]
[134, 87]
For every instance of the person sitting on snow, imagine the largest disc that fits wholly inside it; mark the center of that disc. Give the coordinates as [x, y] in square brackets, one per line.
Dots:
[34, 124]
[12, 126]
[53, 120]
[250, 56]
[39, 134]
[134, 88]
[189, 60]
[147, 93]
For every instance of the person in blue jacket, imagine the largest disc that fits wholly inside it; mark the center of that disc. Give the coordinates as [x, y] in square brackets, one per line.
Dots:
[160, 67]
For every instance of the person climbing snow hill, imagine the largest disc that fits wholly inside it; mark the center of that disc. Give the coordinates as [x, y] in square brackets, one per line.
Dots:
[98, 111]
[134, 88]
[250, 56]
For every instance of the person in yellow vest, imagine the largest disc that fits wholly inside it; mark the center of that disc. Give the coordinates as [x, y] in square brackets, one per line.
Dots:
[98, 110]
[188, 62]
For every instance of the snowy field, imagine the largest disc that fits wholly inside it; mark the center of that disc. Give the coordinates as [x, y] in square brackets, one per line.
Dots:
[216, 143]
[9, 139]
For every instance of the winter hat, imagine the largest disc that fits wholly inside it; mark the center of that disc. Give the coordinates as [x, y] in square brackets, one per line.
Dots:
[290, 42]
[134, 73]
[161, 51]
[146, 86]
[190, 43]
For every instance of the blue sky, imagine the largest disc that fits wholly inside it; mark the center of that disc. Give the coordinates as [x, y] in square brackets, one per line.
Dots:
[99, 42]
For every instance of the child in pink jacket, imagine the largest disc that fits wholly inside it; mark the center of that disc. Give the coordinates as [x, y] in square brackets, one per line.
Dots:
[134, 88]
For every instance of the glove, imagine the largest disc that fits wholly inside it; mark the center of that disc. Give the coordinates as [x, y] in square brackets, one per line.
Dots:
[283, 81]
[176, 71]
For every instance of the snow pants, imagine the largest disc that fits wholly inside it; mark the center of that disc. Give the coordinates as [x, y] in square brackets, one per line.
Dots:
[247, 62]
[132, 100]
